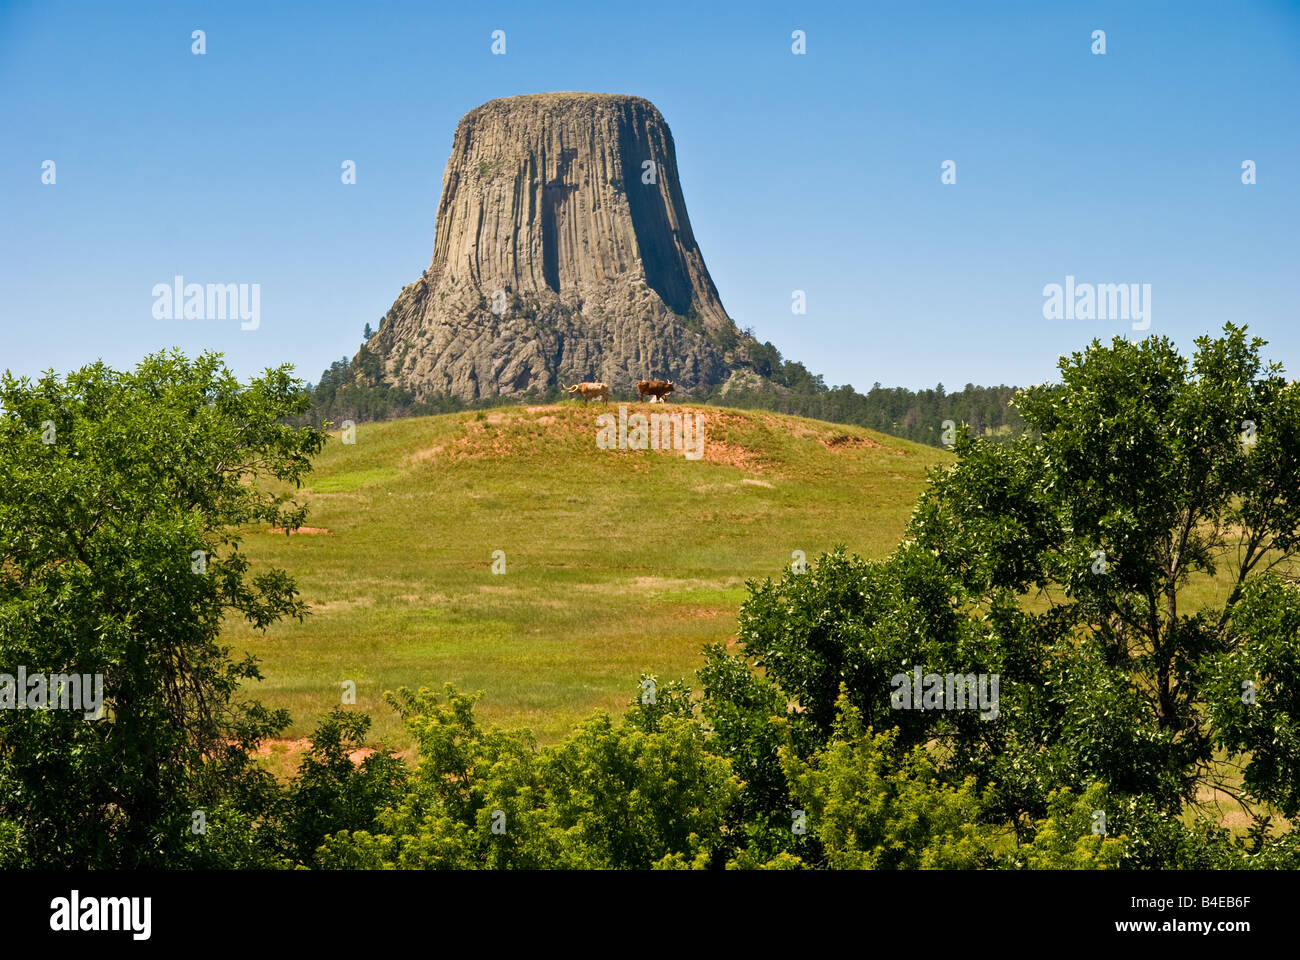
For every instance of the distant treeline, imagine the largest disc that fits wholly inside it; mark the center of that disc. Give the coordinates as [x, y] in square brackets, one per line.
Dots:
[357, 390]
[788, 387]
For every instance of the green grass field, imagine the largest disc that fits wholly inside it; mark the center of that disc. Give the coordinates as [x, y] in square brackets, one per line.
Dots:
[617, 562]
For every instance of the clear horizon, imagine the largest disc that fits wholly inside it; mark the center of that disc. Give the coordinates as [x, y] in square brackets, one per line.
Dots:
[819, 172]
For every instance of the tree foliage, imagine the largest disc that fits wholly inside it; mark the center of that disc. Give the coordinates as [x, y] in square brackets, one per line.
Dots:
[122, 498]
[1126, 568]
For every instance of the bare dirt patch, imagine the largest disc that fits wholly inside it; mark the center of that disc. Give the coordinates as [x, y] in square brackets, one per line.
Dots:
[731, 455]
[266, 747]
[294, 748]
[308, 530]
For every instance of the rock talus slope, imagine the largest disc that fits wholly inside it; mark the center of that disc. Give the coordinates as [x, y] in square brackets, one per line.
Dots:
[562, 252]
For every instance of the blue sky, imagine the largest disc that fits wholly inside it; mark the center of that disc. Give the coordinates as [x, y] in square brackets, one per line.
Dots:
[818, 172]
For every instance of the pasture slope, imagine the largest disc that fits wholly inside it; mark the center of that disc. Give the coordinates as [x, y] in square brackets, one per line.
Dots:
[616, 561]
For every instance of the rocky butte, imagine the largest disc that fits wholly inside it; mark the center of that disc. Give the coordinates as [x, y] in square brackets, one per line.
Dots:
[562, 252]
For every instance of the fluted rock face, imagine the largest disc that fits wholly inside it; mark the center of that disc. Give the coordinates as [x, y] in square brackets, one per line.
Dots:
[562, 252]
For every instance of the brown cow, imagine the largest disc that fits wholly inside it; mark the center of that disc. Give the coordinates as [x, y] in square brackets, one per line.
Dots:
[590, 391]
[653, 389]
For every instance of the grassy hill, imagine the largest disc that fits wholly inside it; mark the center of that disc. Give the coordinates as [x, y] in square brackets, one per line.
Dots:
[617, 562]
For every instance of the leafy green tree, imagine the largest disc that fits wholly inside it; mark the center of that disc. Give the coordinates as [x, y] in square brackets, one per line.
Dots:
[627, 798]
[654, 703]
[121, 500]
[846, 621]
[1125, 567]
[1147, 476]
[332, 792]
[748, 721]
[1070, 837]
[875, 806]
[613, 795]
[465, 775]
[1254, 692]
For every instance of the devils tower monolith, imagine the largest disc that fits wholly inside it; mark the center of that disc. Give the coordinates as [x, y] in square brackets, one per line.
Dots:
[562, 252]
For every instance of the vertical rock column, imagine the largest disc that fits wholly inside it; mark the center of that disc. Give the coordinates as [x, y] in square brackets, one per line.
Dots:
[547, 205]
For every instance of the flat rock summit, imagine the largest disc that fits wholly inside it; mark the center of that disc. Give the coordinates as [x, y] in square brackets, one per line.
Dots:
[562, 252]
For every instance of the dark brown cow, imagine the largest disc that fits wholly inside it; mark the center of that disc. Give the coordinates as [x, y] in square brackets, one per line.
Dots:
[654, 389]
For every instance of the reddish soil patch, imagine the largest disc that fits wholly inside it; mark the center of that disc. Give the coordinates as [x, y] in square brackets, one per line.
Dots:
[300, 530]
[295, 747]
